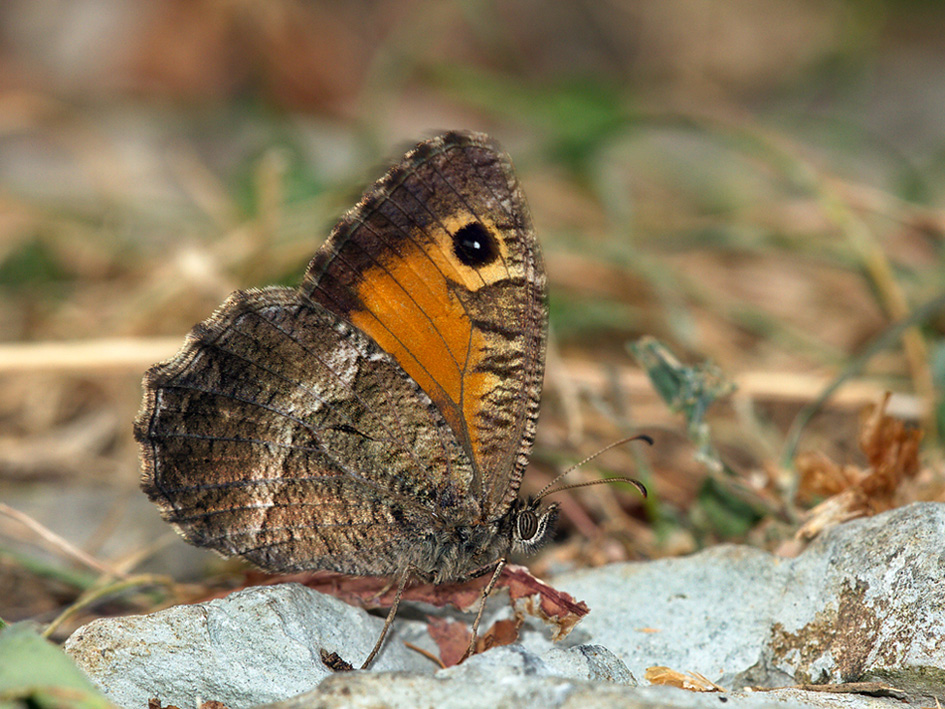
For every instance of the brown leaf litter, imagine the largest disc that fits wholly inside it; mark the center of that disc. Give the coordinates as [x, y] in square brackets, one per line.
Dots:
[892, 453]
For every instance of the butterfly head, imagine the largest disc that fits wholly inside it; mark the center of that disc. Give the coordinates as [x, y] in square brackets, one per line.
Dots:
[531, 526]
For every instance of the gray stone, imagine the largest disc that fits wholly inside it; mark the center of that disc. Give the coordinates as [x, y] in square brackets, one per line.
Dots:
[864, 603]
[584, 662]
[366, 690]
[591, 662]
[708, 613]
[867, 603]
[257, 645]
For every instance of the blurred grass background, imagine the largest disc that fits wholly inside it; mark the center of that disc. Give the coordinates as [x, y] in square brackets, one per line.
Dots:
[759, 184]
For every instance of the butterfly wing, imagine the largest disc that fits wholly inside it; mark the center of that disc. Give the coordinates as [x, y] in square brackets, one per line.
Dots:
[439, 264]
[282, 434]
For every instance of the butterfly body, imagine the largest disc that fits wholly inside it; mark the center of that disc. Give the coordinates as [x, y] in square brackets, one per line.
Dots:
[377, 420]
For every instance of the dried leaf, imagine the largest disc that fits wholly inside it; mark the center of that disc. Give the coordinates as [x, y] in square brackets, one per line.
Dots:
[821, 477]
[451, 637]
[502, 632]
[892, 452]
[891, 449]
[379, 591]
[538, 599]
[692, 681]
[835, 510]
[527, 594]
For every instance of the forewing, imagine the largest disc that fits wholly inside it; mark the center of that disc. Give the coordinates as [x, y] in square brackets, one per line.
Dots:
[470, 332]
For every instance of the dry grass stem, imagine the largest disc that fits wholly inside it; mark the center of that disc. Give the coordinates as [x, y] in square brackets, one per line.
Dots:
[86, 355]
[57, 544]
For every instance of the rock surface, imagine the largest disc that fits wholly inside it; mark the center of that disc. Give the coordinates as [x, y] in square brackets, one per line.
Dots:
[257, 645]
[864, 603]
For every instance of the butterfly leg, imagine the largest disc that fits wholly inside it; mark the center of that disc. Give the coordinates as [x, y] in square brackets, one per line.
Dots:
[404, 577]
[482, 606]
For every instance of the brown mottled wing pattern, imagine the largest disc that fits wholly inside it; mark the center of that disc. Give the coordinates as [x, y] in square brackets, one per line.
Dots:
[470, 333]
[281, 433]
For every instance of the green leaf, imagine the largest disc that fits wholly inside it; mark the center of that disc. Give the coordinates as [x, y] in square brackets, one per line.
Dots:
[689, 391]
[722, 513]
[36, 673]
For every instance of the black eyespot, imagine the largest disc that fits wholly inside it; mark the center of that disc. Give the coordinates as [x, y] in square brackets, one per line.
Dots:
[527, 525]
[475, 246]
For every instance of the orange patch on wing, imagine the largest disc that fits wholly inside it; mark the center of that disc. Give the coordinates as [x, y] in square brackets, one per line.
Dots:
[408, 308]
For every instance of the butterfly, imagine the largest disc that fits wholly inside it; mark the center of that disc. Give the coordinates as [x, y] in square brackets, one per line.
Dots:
[378, 419]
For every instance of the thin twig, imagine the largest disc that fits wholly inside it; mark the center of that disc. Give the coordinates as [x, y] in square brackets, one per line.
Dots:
[94, 595]
[885, 339]
[57, 543]
[426, 653]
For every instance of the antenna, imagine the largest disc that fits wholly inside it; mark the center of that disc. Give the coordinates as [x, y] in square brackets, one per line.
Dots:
[545, 491]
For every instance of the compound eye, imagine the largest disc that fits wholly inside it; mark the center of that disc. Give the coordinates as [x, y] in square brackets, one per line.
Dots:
[527, 525]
